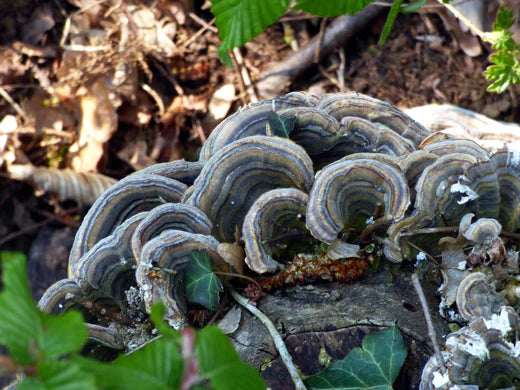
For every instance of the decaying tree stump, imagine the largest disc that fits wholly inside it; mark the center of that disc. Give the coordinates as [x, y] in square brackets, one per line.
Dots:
[321, 323]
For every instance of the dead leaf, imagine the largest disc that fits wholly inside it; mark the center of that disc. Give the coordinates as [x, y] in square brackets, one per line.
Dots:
[84, 188]
[221, 101]
[231, 320]
[98, 123]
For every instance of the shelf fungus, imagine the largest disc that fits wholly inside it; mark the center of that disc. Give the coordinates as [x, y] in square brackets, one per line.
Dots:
[160, 269]
[276, 219]
[482, 355]
[127, 197]
[235, 176]
[347, 193]
[352, 172]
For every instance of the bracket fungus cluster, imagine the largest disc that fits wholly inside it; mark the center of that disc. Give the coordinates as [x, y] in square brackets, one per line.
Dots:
[352, 170]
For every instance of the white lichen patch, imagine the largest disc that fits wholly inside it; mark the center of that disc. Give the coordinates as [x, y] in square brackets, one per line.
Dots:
[500, 322]
[515, 158]
[467, 193]
[473, 344]
[421, 256]
[440, 380]
[370, 221]
[461, 265]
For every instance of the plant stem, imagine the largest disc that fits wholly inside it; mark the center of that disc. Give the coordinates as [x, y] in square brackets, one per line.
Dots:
[277, 338]
[429, 322]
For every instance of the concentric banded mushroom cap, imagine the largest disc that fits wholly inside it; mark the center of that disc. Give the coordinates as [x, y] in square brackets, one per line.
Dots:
[160, 270]
[341, 105]
[109, 266]
[176, 216]
[249, 120]
[124, 199]
[476, 297]
[275, 213]
[235, 176]
[347, 192]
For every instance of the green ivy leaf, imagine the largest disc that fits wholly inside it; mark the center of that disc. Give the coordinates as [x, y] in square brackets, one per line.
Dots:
[239, 21]
[219, 362]
[278, 126]
[157, 365]
[59, 375]
[374, 367]
[390, 19]
[202, 285]
[332, 7]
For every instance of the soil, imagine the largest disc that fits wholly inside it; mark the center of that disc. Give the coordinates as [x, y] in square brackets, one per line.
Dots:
[421, 63]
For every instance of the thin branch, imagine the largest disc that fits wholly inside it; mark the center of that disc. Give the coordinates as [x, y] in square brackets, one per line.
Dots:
[203, 29]
[429, 322]
[320, 41]
[203, 23]
[253, 97]
[155, 96]
[13, 104]
[277, 338]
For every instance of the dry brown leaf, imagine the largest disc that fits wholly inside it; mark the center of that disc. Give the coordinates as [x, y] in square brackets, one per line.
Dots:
[221, 101]
[84, 188]
[98, 123]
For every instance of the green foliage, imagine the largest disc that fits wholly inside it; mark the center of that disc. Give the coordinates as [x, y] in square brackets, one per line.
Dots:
[390, 19]
[505, 70]
[332, 7]
[239, 21]
[219, 363]
[278, 126]
[46, 349]
[413, 7]
[202, 285]
[374, 367]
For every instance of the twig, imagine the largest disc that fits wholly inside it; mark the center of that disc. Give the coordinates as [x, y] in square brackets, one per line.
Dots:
[434, 230]
[320, 40]
[200, 131]
[156, 98]
[194, 37]
[341, 68]
[429, 322]
[13, 104]
[203, 23]
[245, 75]
[241, 84]
[372, 226]
[279, 75]
[278, 342]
